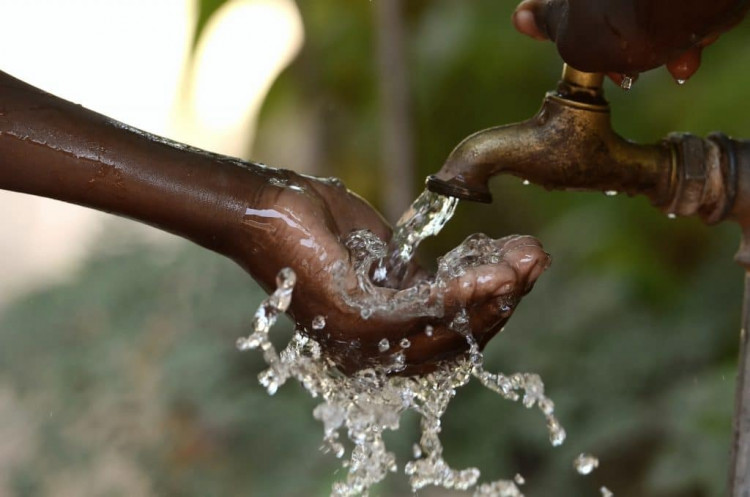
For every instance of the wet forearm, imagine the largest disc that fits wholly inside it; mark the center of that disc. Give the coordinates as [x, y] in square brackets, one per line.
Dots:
[53, 148]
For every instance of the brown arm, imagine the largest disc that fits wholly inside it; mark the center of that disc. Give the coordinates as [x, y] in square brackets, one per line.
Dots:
[53, 148]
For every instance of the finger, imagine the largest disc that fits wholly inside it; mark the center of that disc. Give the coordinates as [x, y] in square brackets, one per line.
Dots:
[525, 19]
[616, 77]
[525, 255]
[709, 40]
[479, 284]
[684, 66]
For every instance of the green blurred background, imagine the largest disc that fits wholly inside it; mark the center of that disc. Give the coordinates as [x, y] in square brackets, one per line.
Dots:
[125, 380]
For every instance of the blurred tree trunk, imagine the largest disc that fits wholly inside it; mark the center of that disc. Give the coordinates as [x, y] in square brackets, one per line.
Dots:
[397, 138]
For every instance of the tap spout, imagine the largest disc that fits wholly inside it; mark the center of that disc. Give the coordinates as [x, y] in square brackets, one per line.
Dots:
[569, 144]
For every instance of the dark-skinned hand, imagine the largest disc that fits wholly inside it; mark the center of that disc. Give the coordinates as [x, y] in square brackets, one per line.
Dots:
[302, 223]
[626, 37]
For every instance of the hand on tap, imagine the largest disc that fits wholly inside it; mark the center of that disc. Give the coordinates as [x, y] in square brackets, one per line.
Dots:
[626, 37]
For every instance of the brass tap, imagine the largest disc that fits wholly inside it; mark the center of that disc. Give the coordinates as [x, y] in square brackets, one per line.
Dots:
[570, 144]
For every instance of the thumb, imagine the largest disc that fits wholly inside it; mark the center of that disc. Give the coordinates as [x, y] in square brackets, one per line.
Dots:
[539, 19]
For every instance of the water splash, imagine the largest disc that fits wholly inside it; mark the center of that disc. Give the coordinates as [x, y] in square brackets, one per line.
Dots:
[368, 251]
[265, 317]
[426, 217]
[366, 404]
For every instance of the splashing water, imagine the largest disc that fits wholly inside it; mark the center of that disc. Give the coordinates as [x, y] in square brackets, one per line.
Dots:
[426, 217]
[265, 317]
[371, 401]
[366, 249]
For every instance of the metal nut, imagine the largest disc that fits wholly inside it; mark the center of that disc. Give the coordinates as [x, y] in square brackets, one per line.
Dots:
[691, 152]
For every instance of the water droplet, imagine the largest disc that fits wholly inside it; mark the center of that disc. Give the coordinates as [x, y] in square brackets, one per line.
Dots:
[286, 279]
[269, 380]
[405, 343]
[611, 193]
[672, 215]
[606, 492]
[242, 344]
[557, 433]
[429, 330]
[399, 363]
[416, 451]
[585, 464]
[424, 291]
[546, 406]
[626, 83]
[384, 345]
[318, 323]
[381, 272]
[260, 321]
[520, 480]
[680, 81]
[526, 182]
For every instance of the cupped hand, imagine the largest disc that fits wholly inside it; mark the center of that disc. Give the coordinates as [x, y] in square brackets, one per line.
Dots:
[626, 37]
[321, 230]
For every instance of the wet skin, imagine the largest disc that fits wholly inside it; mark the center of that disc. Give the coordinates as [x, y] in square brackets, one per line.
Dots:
[630, 36]
[262, 218]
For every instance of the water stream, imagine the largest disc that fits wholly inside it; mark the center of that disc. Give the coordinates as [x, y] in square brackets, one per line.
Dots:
[425, 217]
[362, 406]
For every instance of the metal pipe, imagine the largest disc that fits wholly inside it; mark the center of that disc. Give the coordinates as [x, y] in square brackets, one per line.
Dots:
[737, 154]
[739, 467]
[568, 144]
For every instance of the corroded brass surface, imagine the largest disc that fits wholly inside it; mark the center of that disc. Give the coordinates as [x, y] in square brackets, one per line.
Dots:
[571, 145]
[568, 144]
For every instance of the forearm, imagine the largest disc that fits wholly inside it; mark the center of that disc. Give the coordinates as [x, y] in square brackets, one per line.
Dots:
[53, 148]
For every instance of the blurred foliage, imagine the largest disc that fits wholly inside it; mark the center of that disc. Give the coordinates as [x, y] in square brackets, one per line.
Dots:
[126, 381]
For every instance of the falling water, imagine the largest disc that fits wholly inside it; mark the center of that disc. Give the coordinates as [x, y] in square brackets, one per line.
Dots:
[426, 217]
[365, 404]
